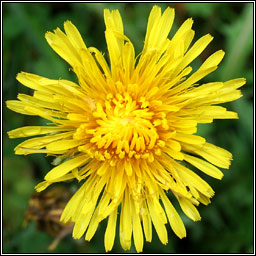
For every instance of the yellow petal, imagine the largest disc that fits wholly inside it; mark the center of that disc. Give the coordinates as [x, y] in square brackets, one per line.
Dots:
[216, 155]
[40, 142]
[74, 36]
[227, 96]
[147, 225]
[63, 144]
[235, 83]
[32, 101]
[173, 217]
[175, 145]
[203, 199]
[67, 166]
[195, 50]
[92, 226]
[189, 209]
[61, 44]
[127, 217]
[113, 20]
[204, 90]
[173, 153]
[42, 186]
[110, 231]
[183, 29]
[128, 167]
[103, 168]
[195, 77]
[158, 28]
[46, 113]
[192, 179]
[158, 224]
[114, 26]
[32, 81]
[206, 68]
[19, 107]
[137, 230]
[204, 166]
[125, 230]
[82, 223]
[213, 60]
[189, 138]
[101, 61]
[128, 60]
[71, 206]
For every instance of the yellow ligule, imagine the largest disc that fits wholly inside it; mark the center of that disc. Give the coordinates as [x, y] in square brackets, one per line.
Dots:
[189, 138]
[189, 209]
[192, 179]
[195, 50]
[74, 36]
[28, 131]
[137, 230]
[63, 144]
[65, 167]
[71, 206]
[125, 231]
[173, 217]
[204, 166]
[158, 224]
[110, 231]
[146, 220]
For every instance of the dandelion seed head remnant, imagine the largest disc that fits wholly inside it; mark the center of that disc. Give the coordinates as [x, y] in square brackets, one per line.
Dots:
[125, 131]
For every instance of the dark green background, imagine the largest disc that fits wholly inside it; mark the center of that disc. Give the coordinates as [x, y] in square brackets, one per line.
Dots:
[227, 223]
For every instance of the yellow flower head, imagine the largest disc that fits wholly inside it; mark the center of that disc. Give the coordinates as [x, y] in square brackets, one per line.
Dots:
[126, 130]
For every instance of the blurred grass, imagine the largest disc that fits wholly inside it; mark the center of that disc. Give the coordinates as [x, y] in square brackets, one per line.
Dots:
[227, 223]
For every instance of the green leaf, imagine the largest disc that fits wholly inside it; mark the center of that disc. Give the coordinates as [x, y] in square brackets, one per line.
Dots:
[201, 9]
[239, 44]
[245, 111]
[11, 27]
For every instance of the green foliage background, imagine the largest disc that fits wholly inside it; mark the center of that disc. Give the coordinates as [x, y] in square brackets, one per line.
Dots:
[227, 223]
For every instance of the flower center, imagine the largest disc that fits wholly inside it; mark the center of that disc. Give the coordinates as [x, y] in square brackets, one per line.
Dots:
[124, 128]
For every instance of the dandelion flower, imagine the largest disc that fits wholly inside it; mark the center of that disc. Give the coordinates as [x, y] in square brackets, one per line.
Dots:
[127, 130]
